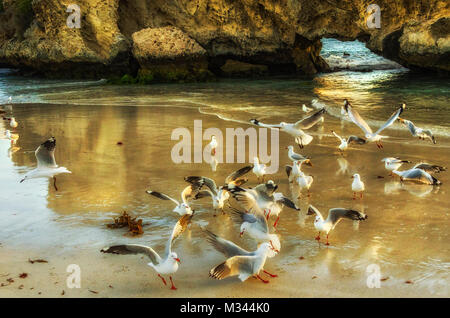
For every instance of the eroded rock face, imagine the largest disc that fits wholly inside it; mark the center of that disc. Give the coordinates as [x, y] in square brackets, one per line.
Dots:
[283, 35]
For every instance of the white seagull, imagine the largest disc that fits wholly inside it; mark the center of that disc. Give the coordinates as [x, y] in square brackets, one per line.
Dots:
[392, 164]
[295, 156]
[296, 129]
[166, 265]
[13, 123]
[304, 181]
[417, 131]
[259, 169]
[345, 142]
[334, 216]
[293, 171]
[180, 207]
[361, 123]
[255, 224]
[213, 145]
[418, 176]
[357, 186]
[46, 163]
[240, 262]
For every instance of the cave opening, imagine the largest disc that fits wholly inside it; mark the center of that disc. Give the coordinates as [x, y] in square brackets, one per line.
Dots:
[353, 56]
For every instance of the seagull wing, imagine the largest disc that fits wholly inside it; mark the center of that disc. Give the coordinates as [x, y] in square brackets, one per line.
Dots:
[310, 121]
[287, 202]
[337, 136]
[162, 196]
[312, 210]
[411, 127]
[337, 214]
[429, 167]
[238, 173]
[200, 181]
[246, 199]
[190, 192]
[356, 140]
[227, 248]
[177, 230]
[391, 120]
[233, 266]
[288, 170]
[357, 119]
[256, 218]
[45, 154]
[258, 123]
[134, 249]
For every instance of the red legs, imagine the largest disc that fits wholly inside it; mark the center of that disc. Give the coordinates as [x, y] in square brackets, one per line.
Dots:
[173, 286]
[214, 151]
[54, 183]
[361, 195]
[271, 275]
[354, 195]
[276, 222]
[318, 237]
[327, 241]
[263, 280]
[379, 144]
[163, 280]
[309, 194]
[268, 216]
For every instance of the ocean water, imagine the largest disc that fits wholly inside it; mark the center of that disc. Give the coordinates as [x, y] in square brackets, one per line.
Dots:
[406, 233]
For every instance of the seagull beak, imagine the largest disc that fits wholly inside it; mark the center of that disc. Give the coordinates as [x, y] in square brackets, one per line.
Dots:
[177, 259]
[240, 234]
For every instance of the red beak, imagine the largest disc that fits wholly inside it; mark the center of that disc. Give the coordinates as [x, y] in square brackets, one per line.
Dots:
[240, 234]
[178, 260]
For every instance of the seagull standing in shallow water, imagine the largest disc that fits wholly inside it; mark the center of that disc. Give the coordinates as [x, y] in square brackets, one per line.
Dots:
[334, 216]
[165, 266]
[46, 163]
[357, 186]
[259, 169]
[361, 123]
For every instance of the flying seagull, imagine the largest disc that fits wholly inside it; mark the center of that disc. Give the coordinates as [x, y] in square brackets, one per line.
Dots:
[345, 142]
[417, 131]
[334, 216]
[166, 265]
[361, 123]
[180, 207]
[239, 262]
[46, 163]
[296, 129]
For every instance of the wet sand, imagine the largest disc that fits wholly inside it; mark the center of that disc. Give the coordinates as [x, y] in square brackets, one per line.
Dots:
[406, 233]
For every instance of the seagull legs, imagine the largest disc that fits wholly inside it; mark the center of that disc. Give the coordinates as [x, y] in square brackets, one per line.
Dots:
[263, 280]
[354, 195]
[271, 275]
[268, 215]
[54, 183]
[327, 241]
[163, 280]
[276, 222]
[318, 237]
[361, 195]
[173, 286]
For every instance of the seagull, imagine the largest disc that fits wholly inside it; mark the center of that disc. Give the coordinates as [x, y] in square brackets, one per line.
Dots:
[418, 176]
[213, 145]
[296, 129]
[46, 163]
[9, 100]
[430, 168]
[13, 123]
[306, 109]
[304, 181]
[344, 143]
[357, 186]
[295, 156]
[255, 224]
[294, 170]
[240, 262]
[360, 122]
[334, 216]
[259, 169]
[181, 207]
[264, 198]
[167, 265]
[417, 131]
[392, 164]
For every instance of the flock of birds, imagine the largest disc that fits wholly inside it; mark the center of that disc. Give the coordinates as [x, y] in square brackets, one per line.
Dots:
[254, 205]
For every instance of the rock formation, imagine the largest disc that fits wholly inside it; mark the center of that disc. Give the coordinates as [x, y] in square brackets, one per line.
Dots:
[190, 38]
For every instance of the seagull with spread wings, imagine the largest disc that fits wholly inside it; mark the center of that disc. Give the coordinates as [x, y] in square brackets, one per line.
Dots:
[240, 262]
[183, 207]
[296, 129]
[166, 265]
[334, 217]
[418, 176]
[46, 163]
[417, 131]
[345, 142]
[255, 224]
[368, 133]
[218, 194]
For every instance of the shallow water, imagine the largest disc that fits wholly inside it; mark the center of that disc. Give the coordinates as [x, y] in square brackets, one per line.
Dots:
[406, 233]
